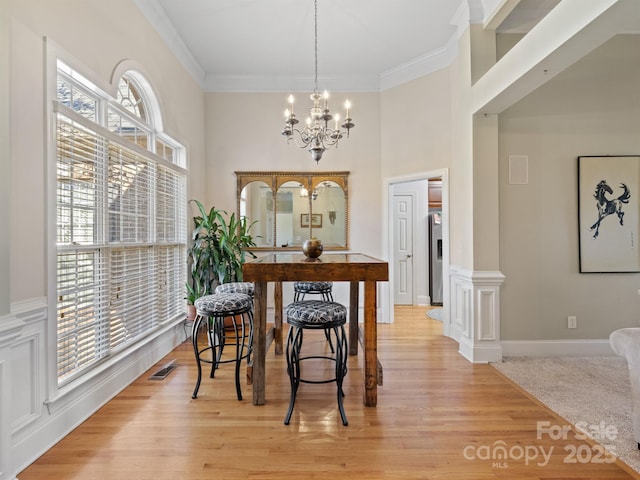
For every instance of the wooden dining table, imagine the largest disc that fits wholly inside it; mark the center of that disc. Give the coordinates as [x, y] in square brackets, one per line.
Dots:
[334, 267]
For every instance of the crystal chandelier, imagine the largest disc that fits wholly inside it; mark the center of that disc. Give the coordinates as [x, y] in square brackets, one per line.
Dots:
[317, 136]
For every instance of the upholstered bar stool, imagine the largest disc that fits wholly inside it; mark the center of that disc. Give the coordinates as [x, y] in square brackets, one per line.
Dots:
[301, 289]
[236, 287]
[325, 289]
[211, 312]
[316, 315]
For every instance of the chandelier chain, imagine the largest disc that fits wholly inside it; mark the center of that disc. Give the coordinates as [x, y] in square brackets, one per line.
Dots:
[317, 135]
[316, 44]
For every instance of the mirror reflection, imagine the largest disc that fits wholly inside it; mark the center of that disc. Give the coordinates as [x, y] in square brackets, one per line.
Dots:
[288, 231]
[305, 205]
[253, 196]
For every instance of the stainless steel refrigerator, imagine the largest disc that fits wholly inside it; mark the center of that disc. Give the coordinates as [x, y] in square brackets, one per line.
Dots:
[435, 257]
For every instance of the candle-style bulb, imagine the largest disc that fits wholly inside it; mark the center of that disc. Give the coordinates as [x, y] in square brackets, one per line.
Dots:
[291, 99]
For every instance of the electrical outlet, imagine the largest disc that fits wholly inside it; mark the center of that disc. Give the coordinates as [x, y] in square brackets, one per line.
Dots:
[572, 322]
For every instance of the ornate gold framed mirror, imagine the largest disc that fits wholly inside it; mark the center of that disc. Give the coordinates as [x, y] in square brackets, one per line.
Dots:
[290, 207]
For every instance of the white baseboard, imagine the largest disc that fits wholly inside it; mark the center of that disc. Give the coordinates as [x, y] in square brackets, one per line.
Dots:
[65, 412]
[556, 348]
[423, 300]
[480, 353]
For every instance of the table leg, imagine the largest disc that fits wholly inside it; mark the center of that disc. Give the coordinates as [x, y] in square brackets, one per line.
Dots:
[354, 292]
[277, 336]
[370, 345]
[259, 341]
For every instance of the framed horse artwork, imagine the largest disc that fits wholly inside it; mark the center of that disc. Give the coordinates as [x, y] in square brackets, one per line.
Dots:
[608, 213]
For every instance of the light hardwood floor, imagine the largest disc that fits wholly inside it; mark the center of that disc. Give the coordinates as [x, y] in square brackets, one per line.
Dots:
[436, 415]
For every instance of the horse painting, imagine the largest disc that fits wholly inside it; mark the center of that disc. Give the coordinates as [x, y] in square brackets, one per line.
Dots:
[607, 207]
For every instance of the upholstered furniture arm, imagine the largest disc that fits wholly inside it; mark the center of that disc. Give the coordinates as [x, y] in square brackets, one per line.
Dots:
[626, 343]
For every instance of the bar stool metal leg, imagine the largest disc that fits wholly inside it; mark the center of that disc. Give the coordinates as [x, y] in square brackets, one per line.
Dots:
[341, 368]
[294, 343]
[327, 296]
[316, 315]
[212, 311]
[241, 344]
[194, 339]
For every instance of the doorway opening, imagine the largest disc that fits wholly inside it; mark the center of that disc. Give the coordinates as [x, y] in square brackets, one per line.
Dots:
[434, 236]
[417, 238]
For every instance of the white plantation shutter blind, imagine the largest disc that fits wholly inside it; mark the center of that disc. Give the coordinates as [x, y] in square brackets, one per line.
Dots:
[79, 183]
[121, 235]
[129, 196]
[171, 220]
[169, 278]
[82, 309]
[132, 303]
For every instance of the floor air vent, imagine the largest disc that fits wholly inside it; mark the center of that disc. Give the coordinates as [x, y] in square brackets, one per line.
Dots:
[164, 371]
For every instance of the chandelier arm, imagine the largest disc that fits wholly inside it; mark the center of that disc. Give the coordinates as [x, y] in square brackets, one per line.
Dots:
[301, 140]
[329, 141]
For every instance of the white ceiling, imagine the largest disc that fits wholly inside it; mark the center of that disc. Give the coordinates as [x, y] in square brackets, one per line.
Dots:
[268, 45]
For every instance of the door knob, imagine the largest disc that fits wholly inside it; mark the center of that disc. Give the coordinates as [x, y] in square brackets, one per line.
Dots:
[408, 255]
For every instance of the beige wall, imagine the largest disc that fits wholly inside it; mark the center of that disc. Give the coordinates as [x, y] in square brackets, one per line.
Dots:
[461, 179]
[415, 134]
[118, 31]
[243, 133]
[486, 255]
[5, 160]
[27, 166]
[593, 108]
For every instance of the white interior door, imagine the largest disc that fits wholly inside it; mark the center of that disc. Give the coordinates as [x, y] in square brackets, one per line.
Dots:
[403, 249]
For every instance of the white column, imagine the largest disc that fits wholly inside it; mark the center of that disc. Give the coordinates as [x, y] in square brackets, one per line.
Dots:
[475, 314]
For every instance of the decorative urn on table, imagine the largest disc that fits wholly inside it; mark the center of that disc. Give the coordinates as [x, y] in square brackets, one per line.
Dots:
[312, 248]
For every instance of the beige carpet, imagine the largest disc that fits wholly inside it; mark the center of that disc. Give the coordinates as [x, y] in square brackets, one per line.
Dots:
[588, 391]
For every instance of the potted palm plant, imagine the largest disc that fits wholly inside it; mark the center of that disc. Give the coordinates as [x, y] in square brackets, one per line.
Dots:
[193, 292]
[219, 248]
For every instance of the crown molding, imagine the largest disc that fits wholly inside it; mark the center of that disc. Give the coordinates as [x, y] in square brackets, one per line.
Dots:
[418, 67]
[287, 83]
[393, 77]
[158, 19]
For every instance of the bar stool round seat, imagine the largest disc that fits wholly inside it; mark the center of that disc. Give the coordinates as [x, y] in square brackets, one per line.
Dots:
[325, 289]
[236, 287]
[300, 289]
[211, 313]
[318, 315]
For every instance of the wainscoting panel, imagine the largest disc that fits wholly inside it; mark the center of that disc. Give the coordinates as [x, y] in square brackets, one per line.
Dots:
[27, 360]
[12, 328]
[26, 397]
[459, 310]
[32, 417]
[487, 315]
[476, 314]
[466, 315]
[4, 419]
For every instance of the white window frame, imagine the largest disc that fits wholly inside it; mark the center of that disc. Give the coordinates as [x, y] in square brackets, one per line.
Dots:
[165, 313]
